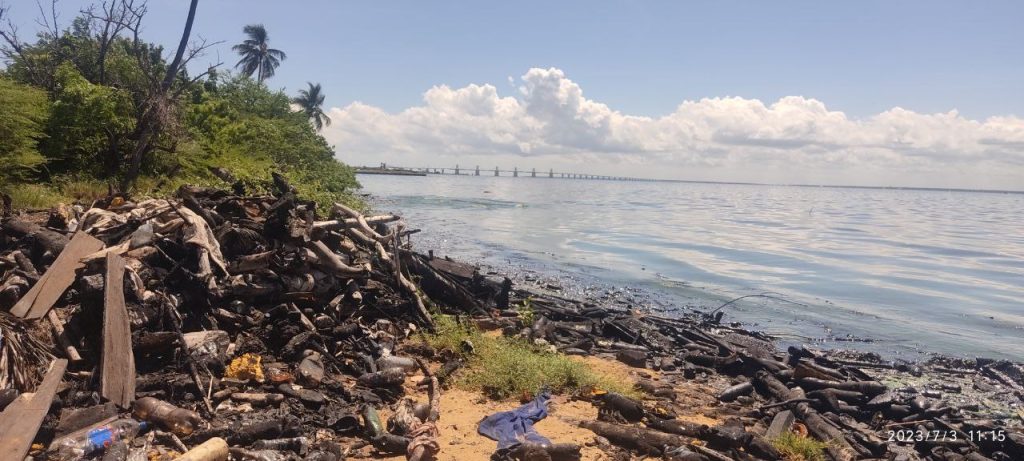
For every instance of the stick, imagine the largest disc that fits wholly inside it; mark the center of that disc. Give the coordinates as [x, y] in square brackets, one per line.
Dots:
[58, 331]
[172, 315]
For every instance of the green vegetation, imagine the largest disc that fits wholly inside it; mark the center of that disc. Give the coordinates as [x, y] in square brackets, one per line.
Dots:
[795, 447]
[34, 196]
[90, 109]
[22, 120]
[509, 368]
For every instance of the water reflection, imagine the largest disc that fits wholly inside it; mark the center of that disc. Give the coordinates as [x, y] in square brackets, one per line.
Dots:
[943, 271]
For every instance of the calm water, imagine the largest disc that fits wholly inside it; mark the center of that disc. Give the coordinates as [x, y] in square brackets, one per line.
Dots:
[909, 271]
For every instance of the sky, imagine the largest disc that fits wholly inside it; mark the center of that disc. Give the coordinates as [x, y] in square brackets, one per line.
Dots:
[904, 93]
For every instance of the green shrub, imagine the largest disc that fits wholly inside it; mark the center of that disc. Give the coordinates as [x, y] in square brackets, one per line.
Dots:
[505, 368]
[242, 126]
[86, 122]
[23, 114]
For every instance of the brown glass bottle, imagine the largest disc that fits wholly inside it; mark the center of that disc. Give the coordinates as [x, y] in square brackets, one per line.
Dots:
[177, 420]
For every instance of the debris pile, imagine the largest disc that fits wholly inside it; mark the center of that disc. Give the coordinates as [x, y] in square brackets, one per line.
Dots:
[223, 323]
[838, 397]
[215, 325]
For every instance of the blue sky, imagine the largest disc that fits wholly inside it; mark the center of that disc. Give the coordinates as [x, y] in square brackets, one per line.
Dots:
[643, 59]
[861, 57]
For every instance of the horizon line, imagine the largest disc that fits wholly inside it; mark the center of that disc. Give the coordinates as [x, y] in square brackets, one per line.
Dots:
[741, 183]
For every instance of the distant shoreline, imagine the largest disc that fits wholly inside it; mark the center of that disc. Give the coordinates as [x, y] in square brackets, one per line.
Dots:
[411, 172]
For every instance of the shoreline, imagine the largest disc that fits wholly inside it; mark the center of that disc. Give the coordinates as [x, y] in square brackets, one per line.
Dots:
[324, 302]
[540, 275]
[891, 303]
[931, 365]
[966, 394]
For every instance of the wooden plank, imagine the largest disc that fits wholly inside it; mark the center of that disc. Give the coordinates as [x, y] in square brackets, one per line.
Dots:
[117, 368]
[51, 286]
[20, 421]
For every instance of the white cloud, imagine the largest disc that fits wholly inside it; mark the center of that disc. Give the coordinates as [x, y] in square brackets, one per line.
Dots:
[550, 124]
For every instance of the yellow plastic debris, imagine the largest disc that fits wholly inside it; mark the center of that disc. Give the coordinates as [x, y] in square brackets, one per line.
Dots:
[247, 367]
[661, 411]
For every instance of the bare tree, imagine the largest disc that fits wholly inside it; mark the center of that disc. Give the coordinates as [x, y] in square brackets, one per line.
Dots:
[157, 106]
[13, 48]
[156, 100]
[107, 21]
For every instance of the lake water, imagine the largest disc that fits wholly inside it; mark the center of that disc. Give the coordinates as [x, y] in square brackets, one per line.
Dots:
[899, 272]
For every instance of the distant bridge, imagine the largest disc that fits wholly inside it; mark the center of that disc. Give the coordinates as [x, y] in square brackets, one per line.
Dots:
[515, 172]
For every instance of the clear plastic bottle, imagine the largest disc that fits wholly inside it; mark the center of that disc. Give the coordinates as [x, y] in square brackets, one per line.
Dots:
[177, 420]
[97, 439]
[393, 361]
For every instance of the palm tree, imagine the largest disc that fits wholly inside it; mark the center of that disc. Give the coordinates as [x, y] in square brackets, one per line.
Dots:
[257, 57]
[311, 102]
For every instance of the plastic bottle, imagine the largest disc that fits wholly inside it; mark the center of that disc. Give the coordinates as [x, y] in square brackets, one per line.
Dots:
[393, 361]
[97, 439]
[371, 419]
[383, 378]
[177, 420]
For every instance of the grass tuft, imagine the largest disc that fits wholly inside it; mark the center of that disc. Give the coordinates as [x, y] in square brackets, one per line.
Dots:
[82, 190]
[795, 447]
[505, 368]
[34, 196]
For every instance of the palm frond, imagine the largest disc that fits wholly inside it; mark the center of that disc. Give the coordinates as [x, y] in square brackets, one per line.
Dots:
[278, 54]
[256, 32]
[267, 71]
[23, 358]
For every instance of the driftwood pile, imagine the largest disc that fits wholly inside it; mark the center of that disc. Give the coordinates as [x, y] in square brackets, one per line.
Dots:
[276, 334]
[268, 326]
[826, 396]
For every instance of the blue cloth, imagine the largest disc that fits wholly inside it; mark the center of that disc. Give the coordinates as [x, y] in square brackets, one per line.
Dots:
[510, 428]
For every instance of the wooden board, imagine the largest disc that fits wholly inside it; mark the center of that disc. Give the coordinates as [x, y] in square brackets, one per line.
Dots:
[117, 368]
[453, 268]
[51, 286]
[20, 421]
